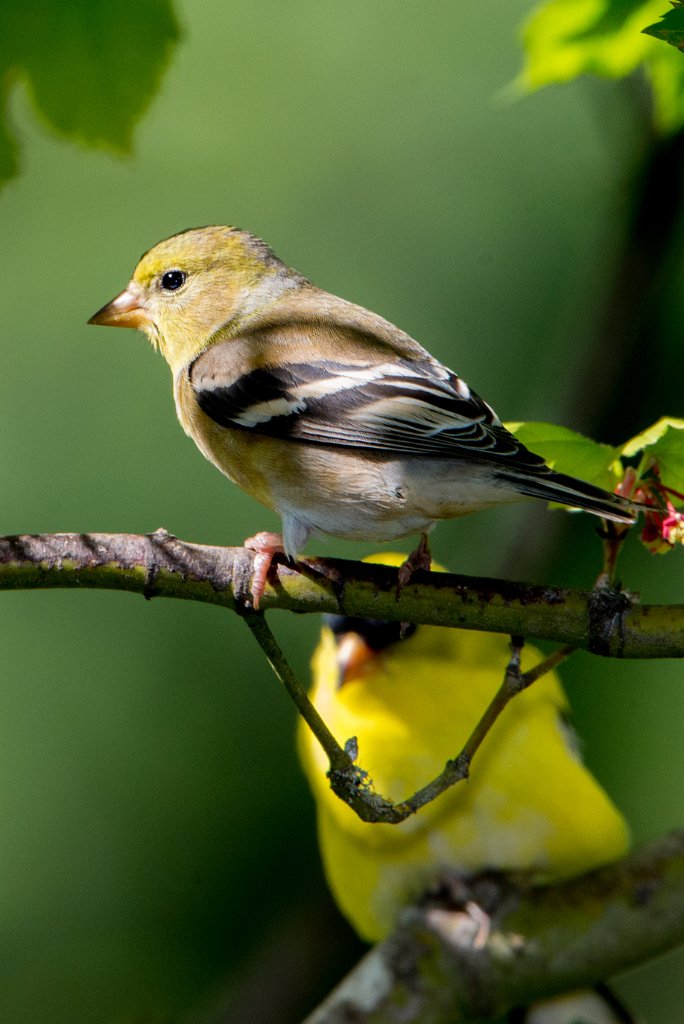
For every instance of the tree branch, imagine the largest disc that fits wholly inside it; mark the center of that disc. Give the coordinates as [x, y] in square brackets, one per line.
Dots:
[604, 621]
[541, 942]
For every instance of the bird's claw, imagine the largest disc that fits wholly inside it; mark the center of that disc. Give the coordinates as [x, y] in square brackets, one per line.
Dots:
[265, 545]
[417, 560]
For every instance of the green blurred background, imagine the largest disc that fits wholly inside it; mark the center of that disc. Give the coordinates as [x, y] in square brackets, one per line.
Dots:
[157, 850]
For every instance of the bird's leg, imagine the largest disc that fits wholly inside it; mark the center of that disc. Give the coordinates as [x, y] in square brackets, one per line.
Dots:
[418, 559]
[266, 545]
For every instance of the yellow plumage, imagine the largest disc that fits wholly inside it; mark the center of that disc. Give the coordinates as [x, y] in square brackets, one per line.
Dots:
[530, 805]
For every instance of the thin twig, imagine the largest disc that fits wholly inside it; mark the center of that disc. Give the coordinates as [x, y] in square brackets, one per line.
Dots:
[458, 768]
[338, 757]
[613, 536]
[514, 682]
[348, 780]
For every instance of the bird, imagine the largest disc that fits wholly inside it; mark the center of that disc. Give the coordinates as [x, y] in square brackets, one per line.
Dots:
[529, 807]
[320, 409]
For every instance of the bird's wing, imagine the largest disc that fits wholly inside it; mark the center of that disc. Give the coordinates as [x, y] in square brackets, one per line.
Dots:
[400, 406]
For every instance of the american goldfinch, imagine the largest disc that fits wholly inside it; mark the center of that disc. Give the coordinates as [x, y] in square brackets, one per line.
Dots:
[529, 805]
[321, 410]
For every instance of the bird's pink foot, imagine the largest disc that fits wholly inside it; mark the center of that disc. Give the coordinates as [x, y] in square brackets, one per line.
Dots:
[265, 545]
[418, 559]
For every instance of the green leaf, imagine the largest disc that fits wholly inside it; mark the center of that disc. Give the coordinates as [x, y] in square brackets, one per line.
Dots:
[665, 72]
[564, 39]
[571, 453]
[91, 67]
[670, 27]
[663, 443]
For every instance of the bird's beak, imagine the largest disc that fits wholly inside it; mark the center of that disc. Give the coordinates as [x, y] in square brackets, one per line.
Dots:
[126, 310]
[354, 658]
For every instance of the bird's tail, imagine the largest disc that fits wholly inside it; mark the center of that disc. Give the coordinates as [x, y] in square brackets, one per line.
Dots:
[568, 490]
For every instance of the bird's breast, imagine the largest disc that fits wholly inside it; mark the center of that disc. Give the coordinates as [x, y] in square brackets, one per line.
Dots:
[236, 453]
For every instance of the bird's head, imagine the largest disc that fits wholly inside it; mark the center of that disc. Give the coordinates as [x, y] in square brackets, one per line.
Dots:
[360, 643]
[195, 284]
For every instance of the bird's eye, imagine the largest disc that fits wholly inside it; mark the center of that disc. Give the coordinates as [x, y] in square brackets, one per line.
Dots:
[172, 280]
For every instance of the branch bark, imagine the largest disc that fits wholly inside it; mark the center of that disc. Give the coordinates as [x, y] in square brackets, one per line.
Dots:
[605, 622]
[541, 942]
